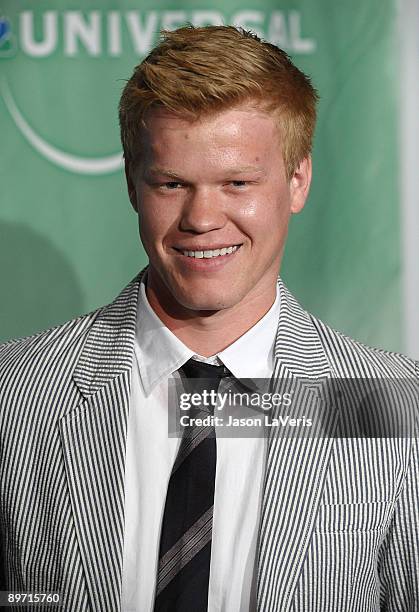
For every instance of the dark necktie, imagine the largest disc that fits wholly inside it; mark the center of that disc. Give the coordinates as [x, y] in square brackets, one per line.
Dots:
[185, 542]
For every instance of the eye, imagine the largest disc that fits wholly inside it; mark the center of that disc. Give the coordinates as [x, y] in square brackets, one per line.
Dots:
[239, 183]
[171, 185]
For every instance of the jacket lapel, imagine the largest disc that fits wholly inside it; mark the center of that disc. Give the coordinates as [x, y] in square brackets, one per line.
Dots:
[94, 440]
[295, 466]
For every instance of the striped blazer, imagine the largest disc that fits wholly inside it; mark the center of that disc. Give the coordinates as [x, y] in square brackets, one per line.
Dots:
[339, 528]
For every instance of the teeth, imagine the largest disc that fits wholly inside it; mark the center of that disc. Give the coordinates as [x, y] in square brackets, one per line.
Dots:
[210, 254]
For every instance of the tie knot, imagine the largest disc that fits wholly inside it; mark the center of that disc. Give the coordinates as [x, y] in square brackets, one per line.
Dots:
[199, 369]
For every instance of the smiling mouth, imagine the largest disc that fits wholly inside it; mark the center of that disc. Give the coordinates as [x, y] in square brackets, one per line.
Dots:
[210, 253]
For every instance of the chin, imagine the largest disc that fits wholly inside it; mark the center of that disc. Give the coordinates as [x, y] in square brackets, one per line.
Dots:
[197, 295]
[201, 302]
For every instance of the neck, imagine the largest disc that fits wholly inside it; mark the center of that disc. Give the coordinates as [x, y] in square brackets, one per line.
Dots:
[210, 332]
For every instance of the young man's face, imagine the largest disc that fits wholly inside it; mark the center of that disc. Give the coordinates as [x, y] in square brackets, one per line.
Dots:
[206, 186]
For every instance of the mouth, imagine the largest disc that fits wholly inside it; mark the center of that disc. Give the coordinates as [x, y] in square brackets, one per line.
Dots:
[209, 253]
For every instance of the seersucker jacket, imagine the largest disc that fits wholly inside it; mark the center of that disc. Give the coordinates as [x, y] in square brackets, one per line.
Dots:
[339, 526]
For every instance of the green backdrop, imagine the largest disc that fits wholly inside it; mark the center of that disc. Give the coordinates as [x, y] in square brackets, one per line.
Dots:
[68, 236]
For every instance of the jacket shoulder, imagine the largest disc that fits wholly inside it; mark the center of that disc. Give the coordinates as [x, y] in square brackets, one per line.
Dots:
[351, 358]
[104, 336]
[55, 340]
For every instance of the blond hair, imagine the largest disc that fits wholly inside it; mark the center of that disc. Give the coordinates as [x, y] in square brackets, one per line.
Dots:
[195, 71]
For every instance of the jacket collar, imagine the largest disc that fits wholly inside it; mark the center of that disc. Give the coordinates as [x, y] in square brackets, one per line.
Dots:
[109, 347]
[298, 350]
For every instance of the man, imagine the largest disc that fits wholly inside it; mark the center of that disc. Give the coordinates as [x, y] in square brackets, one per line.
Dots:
[216, 128]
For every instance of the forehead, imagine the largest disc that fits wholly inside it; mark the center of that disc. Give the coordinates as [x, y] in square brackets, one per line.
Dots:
[245, 127]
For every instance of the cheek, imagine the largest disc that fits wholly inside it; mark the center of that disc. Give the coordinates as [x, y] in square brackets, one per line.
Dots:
[156, 222]
[265, 217]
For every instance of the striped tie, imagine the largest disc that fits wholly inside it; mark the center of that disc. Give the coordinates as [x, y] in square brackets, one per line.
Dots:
[185, 543]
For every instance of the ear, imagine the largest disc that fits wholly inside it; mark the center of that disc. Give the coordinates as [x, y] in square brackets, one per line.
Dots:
[300, 185]
[131, 187]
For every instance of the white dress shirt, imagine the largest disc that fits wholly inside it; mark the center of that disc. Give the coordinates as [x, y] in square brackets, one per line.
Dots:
[151, 453]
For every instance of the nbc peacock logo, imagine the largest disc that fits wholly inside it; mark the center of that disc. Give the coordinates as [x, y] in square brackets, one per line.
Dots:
[7, 39]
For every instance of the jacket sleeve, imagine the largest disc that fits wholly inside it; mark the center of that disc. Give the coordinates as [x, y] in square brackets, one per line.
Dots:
[399, 564]
[3, 584]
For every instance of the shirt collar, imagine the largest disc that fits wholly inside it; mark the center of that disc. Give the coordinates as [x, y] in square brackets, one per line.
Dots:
[252, 355]
[159, 352]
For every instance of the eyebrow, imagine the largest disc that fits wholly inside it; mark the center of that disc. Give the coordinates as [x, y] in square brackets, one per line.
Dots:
[156, 170]
[243, 169]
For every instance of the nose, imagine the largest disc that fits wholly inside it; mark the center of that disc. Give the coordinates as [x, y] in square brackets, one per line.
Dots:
[202, 212]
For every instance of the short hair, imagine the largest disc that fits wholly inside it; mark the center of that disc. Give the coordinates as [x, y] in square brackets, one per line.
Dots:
[197, 71]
